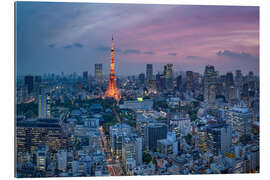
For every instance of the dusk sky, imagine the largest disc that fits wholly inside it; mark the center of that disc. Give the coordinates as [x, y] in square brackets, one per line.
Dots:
[72, 37]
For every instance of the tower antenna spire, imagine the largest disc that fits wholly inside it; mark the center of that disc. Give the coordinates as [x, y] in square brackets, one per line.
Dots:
[112, 90]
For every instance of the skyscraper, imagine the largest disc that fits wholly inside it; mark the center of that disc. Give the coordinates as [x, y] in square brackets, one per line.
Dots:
[139, 151]
[240, 119]
[149, 72]
[112, 90]
[44, 105]
[29, 83]
[189, 81]
[219, 138]
[31, 134]
[179, 82]
[37, 83]
[154, 132]
[168, 73]
[209, 84]
[142, 78]
[229, 79]
[85, 76]
[238, 78]
[98, 72]
[40, 157]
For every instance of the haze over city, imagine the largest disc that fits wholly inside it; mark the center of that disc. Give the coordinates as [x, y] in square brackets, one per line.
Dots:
[72, 37]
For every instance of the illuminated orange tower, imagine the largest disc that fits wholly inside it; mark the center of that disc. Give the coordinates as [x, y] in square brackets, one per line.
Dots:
[112, 90]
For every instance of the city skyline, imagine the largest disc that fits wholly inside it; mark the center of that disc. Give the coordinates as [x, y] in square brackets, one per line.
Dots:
[175, 92]
[72, 37]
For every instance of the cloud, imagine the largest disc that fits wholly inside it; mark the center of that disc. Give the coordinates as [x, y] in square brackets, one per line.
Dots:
[191, 57]
[132, 51]
[103, 48]
[107, 49]
[51, 45]
[172, 54]
[68, 46]
[236, 55]
[78, 45]
[74, 45]
[149, 52]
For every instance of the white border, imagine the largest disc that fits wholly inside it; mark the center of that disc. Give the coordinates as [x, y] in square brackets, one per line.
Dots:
[7, 84]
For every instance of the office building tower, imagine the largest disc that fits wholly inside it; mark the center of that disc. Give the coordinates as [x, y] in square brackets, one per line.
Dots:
[44, 105]
[240, 119]
[233, 93]
[85, 76]
[219, 138]
[37, 84]
[117, 134]
[62, 160]
[229, 79]
[129, 149]
[40, 158]
[31, 134]
[29, 83]
[161, 82]
[142, 78]
[238, 78]
[168, 146]
[209, 84]
[189, 81]
[168, 71]
[250, 76]
[98, 72]
[154, 132]
[149, 72]
[202, 139]
[139, 144]
[179, 82]
[168, 74]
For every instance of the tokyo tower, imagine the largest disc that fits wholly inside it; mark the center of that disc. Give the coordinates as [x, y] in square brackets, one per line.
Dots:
[112, 90]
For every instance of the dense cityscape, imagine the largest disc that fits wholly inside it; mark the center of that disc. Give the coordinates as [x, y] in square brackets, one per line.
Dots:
[168, 123]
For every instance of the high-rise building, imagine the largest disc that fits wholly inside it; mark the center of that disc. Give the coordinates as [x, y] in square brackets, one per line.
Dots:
[37, 84]
[179, 82]
[129, 149]
[238, 78]
[189, 81]
[149, 72]
[117, 134]
[141, 78]
[31, 134]
[245, 90]
[168, 73]
[62, 160]
[209, 84]
[169, 145]
[139, 151]
[98, 72]
[40, 158]
[240, 119]
[29, 83]
[112, 90]
[44, 105]
[250, 76]
[85, 76]
[229, 79]
[202, 139]
[154, 132]
[219, 138]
